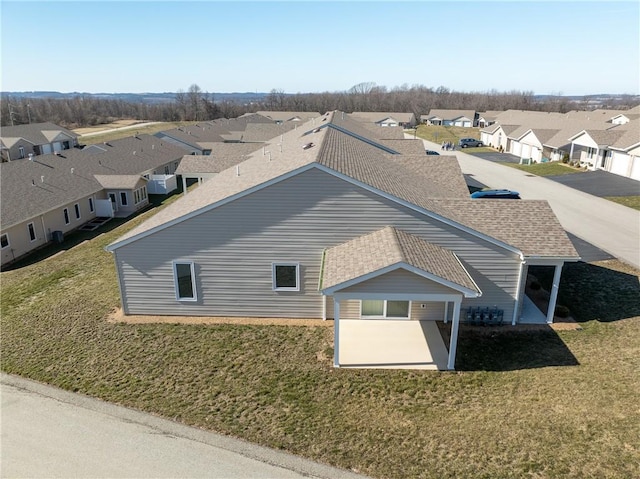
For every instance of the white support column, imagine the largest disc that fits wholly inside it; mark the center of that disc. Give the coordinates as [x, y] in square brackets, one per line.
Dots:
[184, 185]
[446, 311]
[336, 332]
[453, 343]
[324, 307]
[571, 152]
[554, 293]
[519, 294]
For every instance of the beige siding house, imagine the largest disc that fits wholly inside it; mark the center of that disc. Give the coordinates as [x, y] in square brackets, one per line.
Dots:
[337, 225]
[19, 142]
[47, 196]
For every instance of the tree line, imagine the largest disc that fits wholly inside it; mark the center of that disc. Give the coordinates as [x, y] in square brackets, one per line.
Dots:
[194, 104]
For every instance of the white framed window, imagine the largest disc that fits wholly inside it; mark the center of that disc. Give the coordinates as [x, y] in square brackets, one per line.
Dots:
[65, 212]
[124, 199]
[21, 151]
[166, 169]
[32, 232]
[384, 309]
[91, 207]
[4, 241]
[590, 153]
[76, 208]
[184, 278]
[140, 195]
[285, 276]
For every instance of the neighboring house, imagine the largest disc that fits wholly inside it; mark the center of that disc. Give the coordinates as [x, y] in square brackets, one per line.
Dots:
[203, 137]
[289, 116]
[497, 136]
[338, 225]
[616, 150]
[48, 196]
[401, 119]
[464, 118]
[200, 168]
[261, 132]
[487, 118]
[18, 142]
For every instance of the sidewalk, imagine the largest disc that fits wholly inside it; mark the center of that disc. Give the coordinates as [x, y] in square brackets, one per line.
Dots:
[609, 226]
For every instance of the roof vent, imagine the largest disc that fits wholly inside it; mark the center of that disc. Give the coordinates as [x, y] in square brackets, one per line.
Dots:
[42, 179]
[307, 146]
[316, 130]
[33, 182]
[134, 152]
[72, 171]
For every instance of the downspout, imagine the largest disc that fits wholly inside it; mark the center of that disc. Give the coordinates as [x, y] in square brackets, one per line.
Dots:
[518, 291]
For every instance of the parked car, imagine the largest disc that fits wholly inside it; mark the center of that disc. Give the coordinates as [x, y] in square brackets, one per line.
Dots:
[431, 152]
[469, 142]
[504, 194]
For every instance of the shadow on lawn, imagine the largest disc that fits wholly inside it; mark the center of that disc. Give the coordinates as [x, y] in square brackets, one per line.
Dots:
[510, 350]
[605, 291]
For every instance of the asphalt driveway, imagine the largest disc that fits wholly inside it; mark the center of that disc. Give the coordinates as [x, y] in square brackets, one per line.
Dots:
[599, 183]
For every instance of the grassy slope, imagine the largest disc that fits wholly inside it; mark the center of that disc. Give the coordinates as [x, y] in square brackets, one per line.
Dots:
[630, 201]
[116, 135]
[519, 407]
[546, 169]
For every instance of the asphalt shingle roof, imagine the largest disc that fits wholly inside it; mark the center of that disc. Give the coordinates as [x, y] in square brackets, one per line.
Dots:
[25, 195]
[36, 133]
[387, 247]
[514, 223]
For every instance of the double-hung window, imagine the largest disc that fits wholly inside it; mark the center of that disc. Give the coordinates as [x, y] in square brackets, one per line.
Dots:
[185, 280]
[76, 208]
[65, 212]
[285, 276]
[384, 309]
[4, 241]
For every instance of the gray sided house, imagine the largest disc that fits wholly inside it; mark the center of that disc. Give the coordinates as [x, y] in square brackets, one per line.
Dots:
[47, 196]
[337, 225]
[22, 141]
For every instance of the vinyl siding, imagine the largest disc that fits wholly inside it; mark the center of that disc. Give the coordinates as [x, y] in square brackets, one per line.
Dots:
[45, 225]
[433, 311]
[399, 281]
[233, 247]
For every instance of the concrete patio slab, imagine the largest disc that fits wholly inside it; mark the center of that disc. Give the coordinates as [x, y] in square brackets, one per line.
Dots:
[389, 344]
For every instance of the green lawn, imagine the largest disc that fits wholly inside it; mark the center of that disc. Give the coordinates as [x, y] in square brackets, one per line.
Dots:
[116, 135]
[630, 201]
[551, 168]
[438, 134]
[526, 404]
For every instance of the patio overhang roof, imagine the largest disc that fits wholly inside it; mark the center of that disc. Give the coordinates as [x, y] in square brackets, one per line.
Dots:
[388, 250]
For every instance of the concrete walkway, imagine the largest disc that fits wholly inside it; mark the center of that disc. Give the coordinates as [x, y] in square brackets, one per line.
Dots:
[609, 226]
[48, 432]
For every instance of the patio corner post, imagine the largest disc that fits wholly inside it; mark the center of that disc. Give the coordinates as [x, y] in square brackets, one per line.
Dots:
[554, 293]
[336, 333]
[453, 342]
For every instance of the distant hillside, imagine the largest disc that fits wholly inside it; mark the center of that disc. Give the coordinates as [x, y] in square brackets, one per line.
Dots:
[150, 98]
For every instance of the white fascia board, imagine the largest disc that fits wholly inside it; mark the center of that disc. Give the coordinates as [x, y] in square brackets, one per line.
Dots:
[209, 207]
[468, 293]
[577, 135]
[419, 209]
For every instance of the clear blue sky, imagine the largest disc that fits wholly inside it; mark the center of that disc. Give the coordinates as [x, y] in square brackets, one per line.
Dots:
[572, 48]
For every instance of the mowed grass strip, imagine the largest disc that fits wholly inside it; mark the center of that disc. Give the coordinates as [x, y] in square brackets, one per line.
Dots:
[530, 404]
[630, 201]
[551, 168]
[143, 129]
